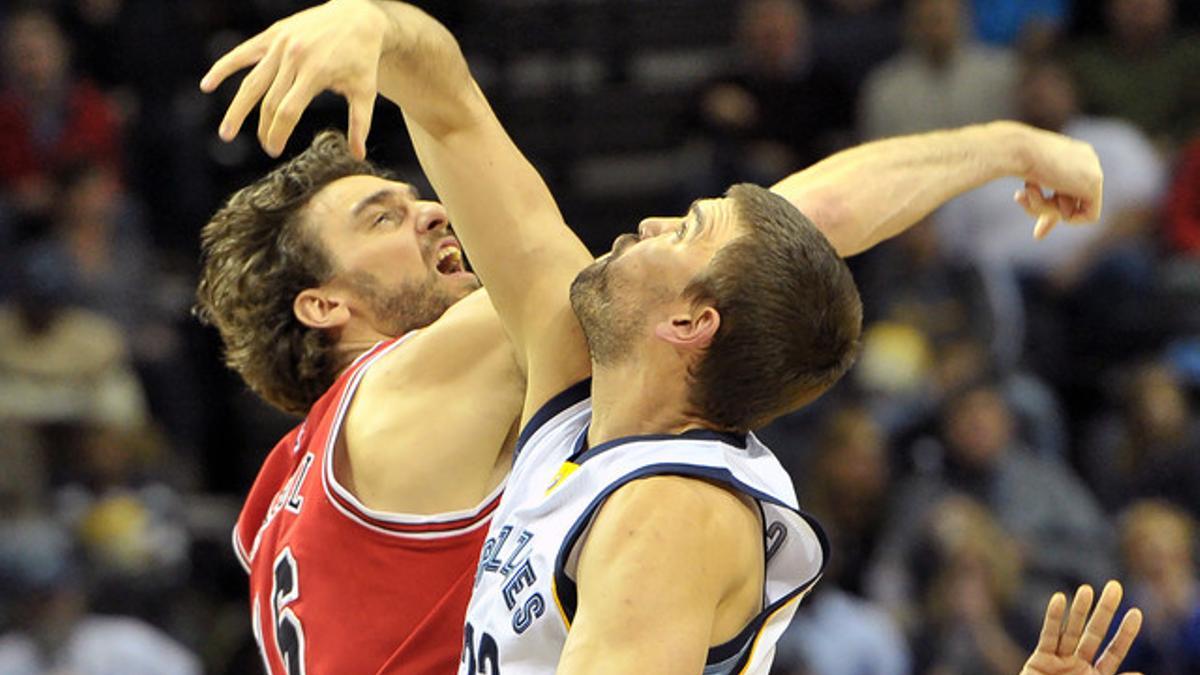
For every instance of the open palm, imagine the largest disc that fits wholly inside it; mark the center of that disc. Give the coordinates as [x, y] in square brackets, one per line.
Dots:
[1069, 649]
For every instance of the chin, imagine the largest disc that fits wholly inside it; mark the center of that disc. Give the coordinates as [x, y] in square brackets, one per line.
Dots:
[610, 322]
[459, 285]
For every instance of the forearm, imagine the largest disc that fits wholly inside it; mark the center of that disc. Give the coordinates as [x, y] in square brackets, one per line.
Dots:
[502, 210]
[422, 70]
[874, 191]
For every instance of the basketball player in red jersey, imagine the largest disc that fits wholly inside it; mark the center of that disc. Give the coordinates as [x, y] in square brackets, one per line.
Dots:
[343, 296]
[340, 294]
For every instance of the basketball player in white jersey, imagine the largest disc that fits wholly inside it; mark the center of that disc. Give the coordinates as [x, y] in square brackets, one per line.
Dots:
[643, 528]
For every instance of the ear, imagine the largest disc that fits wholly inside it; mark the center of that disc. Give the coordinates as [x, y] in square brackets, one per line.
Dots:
[692, 331]
[317, 308]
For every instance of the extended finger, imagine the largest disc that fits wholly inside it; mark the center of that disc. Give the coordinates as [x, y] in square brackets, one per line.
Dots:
[1116, 651]
[1098, 625]
[288, 115]
[1052, 625]
[280, 85]
[251, 89]
[1075, 620]
[1045, 223]
[242, 56]
[362, 107]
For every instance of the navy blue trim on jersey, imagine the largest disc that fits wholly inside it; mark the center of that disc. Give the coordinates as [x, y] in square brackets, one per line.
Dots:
[583, 453]
[557, 403]
[568, 594]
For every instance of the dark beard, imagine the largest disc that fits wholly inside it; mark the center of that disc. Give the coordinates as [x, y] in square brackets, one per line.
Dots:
[411, 306]
[610, 329]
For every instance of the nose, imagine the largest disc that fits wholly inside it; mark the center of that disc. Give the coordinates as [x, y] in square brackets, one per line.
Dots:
[431, 216]
[652, 227]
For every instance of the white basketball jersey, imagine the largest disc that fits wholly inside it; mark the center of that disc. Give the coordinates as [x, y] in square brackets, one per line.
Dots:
[524, 597]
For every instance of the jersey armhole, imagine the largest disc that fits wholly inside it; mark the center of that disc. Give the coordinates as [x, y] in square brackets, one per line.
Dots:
[729, 657]
[566, 398]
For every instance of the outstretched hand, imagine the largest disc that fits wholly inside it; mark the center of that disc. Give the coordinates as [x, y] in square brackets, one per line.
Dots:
[1069, 648]
[334, 46]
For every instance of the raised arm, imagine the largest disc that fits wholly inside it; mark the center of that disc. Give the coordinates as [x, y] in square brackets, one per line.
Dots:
[499, 206]
[864, 195]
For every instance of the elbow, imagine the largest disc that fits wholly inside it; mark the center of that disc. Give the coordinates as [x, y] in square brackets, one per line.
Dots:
[832, 215]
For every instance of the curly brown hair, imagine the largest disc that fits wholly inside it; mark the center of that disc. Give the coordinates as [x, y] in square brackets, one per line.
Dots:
[257, 256]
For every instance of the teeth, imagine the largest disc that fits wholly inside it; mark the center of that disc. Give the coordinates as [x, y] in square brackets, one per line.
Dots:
[451, 253]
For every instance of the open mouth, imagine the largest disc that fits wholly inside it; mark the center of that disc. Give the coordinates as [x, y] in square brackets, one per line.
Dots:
[450, 260]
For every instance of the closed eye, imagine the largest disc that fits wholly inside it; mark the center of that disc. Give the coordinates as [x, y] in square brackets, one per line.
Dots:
[384, 218]
[681, 232]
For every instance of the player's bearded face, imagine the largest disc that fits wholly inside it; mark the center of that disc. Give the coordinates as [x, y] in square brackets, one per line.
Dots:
[609, 317]
[398, 309]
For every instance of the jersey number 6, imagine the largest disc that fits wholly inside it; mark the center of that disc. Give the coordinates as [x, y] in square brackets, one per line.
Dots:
[289, 634]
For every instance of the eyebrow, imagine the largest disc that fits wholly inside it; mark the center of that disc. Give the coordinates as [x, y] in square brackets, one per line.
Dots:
[701, 221]
[379, 196]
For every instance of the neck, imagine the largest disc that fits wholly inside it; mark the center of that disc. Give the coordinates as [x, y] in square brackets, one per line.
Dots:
[354, 343]
[630, 399]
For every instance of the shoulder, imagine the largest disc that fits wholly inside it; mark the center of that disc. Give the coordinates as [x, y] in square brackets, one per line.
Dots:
[679, 511]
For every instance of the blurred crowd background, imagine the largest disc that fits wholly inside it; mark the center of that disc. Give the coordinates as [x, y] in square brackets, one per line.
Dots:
[1023, 417]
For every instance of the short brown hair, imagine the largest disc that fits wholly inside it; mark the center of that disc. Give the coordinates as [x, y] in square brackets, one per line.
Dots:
[257, 256]
[790, 316]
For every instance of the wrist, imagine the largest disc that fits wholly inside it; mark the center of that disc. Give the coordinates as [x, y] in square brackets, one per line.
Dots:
[1012, 146]
[390, 17]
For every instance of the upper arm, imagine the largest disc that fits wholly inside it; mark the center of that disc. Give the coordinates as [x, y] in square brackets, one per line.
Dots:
[413, 395]
[661, 572]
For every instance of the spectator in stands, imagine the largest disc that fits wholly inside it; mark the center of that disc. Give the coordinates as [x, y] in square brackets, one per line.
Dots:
[99, 234]
[970, 581]
[130, 521]
[941, 79]
[913, 281]
[1158, 542]
[852, 37]
[1183, 204]
[1143, 70]
[1009, 23]
[837, 633]
[1152, 447]
[1040, 502]
[780, 108]
[62, 363]
[845, 485]
[47, 117]
[1088, 270]
[55, 632]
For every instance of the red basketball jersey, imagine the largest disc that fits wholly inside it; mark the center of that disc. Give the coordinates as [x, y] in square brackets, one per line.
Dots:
[338, 588]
